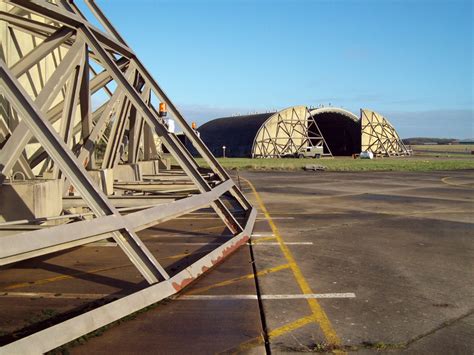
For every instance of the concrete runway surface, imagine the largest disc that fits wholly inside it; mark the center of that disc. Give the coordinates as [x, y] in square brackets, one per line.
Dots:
[338, 262]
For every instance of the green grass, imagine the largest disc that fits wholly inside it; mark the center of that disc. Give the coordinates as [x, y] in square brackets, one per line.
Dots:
[445, 148]
[349, 164]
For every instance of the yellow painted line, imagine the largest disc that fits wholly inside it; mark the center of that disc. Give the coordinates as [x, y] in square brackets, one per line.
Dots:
[60, 278]
[237, 279]
[291, 326]
[318, 313]
[256, 241]
[177, 256]
[445, 180]
[246, 346]
[223, 227]
[94, 271]
[275, 333]
[296, 325]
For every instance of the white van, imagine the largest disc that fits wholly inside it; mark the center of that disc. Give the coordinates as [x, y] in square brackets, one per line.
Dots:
[310, 152]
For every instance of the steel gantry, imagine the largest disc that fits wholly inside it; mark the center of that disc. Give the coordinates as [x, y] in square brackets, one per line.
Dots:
[53, 65]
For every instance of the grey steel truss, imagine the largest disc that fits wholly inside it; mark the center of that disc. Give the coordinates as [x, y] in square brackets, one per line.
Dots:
[49, 128]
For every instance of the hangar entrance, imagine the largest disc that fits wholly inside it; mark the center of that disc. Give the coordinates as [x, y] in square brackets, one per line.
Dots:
[340, 129]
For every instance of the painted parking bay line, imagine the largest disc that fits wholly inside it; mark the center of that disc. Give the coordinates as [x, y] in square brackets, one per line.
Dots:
[319, 316]
[272, 334]
[218, 218]
[240, 278]
[255, 243]
[262, 235]
[276, 243]
[307, 296]
[264, 297]
[89, 272]
[179, 298]
[76, 296]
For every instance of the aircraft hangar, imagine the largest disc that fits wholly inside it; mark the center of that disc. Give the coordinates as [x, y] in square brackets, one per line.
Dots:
[285, 133]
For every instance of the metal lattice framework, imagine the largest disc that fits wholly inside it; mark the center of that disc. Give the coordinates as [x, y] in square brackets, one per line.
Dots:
[286, 133]
[50, 129]
[379, 136]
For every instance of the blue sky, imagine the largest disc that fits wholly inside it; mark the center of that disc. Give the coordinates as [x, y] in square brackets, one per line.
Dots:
[411, 60]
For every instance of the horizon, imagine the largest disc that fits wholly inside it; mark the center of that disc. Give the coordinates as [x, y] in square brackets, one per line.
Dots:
[246, 56]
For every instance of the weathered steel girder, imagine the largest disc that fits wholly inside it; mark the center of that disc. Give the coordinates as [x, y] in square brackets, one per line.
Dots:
[50, 129]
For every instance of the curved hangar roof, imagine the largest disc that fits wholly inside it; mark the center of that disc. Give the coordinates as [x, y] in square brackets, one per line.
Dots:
[285, 132]
[237, 134]
[261, 135]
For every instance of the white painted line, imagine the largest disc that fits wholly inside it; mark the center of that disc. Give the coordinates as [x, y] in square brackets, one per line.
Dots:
[218, 218]
[215, 236]
[92, 296]
[286, 243]
[258, 243]
[312, 295]
[190, 243]
[216, 297]
[203, 218]
[263, 235]
[265, 297]
[274, 218]
[183, 297]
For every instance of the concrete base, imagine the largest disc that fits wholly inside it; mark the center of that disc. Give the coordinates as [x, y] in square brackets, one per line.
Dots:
[127, 172]
[151, 167]
[135, 172]
[104, 178]
[165, 162]
[30, 199]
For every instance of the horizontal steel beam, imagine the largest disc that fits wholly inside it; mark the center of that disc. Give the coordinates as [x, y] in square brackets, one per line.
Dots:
[71, 329]
[124, 201]
[25, 245]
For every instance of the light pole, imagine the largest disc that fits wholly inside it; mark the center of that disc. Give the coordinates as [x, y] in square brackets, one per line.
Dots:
[223, 151]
